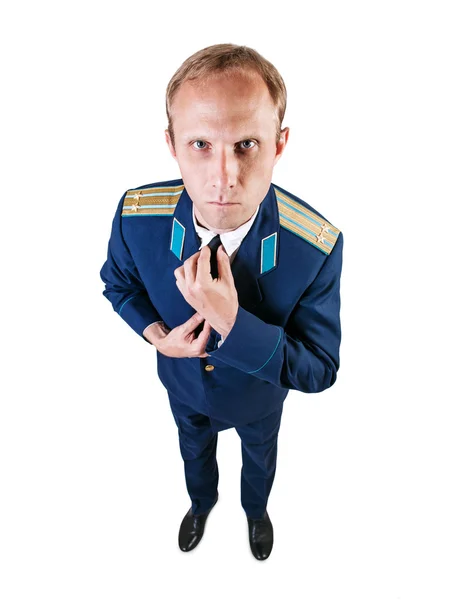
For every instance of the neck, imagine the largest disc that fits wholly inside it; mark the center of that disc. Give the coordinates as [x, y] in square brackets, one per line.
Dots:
[201, 221]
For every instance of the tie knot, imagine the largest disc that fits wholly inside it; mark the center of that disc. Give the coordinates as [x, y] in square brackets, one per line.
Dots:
[214, 243]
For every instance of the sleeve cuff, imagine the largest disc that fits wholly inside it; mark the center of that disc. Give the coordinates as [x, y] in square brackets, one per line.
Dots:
[151, 324]
[251, 344]
[138, 312]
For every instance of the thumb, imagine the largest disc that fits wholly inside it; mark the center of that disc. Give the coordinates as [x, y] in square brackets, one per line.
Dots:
[193, 321]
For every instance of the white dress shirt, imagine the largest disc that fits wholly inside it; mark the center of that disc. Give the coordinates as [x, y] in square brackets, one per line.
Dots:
[231, 241]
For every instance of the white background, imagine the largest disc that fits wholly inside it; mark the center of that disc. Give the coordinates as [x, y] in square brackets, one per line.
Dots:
[364, 504]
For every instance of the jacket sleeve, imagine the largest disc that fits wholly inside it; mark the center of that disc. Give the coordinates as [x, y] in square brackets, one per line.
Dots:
[305, 355]
[123, 285]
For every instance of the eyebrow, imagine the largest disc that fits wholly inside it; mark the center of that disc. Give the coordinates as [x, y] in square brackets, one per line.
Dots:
[188, 138]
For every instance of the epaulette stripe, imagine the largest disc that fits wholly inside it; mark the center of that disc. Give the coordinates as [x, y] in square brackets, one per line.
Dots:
[320, 243]
[167, 189]
[313, 219]
[161, 201]
[166, 201]
[305, 229]
[157, 205]
[150, 209]
[299, 233]
[130, 213]
[305, 223]
[303, 211]
[130, 194]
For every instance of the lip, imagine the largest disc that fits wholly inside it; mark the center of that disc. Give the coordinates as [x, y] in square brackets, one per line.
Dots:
[224, 203]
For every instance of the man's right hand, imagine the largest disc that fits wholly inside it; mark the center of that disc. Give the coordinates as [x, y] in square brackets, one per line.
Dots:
[181, 341]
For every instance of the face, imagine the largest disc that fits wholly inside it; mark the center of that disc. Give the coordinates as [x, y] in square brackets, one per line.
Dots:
[225, 146]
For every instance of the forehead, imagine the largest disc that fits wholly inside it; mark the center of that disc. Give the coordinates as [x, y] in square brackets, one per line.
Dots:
[223, 102]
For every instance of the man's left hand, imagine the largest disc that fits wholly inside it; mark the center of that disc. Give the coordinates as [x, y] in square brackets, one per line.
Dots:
[215, 299]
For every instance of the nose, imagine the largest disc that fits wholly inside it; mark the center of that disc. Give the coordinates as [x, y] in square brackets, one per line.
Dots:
[224, 170]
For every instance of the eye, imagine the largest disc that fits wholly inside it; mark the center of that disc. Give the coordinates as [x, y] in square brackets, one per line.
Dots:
[250, 142]
[201, 141]
[243, 142]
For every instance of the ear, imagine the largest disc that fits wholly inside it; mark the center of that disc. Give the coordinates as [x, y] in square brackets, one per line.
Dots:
[284, 135]
[168, 139]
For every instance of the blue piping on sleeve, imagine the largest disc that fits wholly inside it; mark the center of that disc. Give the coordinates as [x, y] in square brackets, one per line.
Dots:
[275, 349]
[125, 302]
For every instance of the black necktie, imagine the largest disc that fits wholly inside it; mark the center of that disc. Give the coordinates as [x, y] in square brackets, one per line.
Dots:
[213, 245]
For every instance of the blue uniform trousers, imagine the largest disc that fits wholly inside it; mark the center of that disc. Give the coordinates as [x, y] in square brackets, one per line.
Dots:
[198, 441]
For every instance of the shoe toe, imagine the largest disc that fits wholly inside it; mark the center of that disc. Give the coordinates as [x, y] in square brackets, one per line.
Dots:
[191, 532]
[260, 551]
[192, 529]
[261, 537]
[188, 543]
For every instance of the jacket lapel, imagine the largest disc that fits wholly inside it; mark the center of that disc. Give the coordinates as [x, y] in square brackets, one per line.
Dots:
[257, 256]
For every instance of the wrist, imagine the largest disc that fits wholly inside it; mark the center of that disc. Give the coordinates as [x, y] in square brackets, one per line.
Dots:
[154, 333]
[225, 330]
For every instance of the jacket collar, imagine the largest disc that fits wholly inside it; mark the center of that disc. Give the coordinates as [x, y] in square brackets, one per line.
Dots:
[257, 255]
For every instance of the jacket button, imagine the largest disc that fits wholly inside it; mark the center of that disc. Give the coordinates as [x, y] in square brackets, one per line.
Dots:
[209, 367]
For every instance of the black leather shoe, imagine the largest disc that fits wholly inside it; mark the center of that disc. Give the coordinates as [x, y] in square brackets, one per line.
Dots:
[261, 536]
[192, 528]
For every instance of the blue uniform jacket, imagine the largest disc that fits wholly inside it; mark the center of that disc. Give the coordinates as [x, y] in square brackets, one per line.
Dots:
[287, 274]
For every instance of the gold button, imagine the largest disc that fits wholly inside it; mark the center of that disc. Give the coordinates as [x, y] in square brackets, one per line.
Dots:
[209, 367]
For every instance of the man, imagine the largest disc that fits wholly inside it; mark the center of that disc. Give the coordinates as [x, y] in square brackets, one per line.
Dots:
[233, 279]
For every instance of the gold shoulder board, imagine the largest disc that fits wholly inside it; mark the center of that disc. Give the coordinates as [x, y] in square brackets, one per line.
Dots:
[153, 200]
[305, 223]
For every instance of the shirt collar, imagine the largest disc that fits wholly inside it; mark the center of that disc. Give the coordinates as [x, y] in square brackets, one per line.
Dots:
[231, 240]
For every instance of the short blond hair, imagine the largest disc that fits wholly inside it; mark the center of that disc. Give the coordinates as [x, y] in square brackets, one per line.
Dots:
[226, 58]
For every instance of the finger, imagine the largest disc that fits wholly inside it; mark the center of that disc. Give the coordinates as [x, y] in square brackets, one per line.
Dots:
[204, 334]
[190, 268]
[203, 273]
[180, 280]
[179, 273]
[181, 285]
[224, 264]
[201, 340]
[206, 329]
[192, 323]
